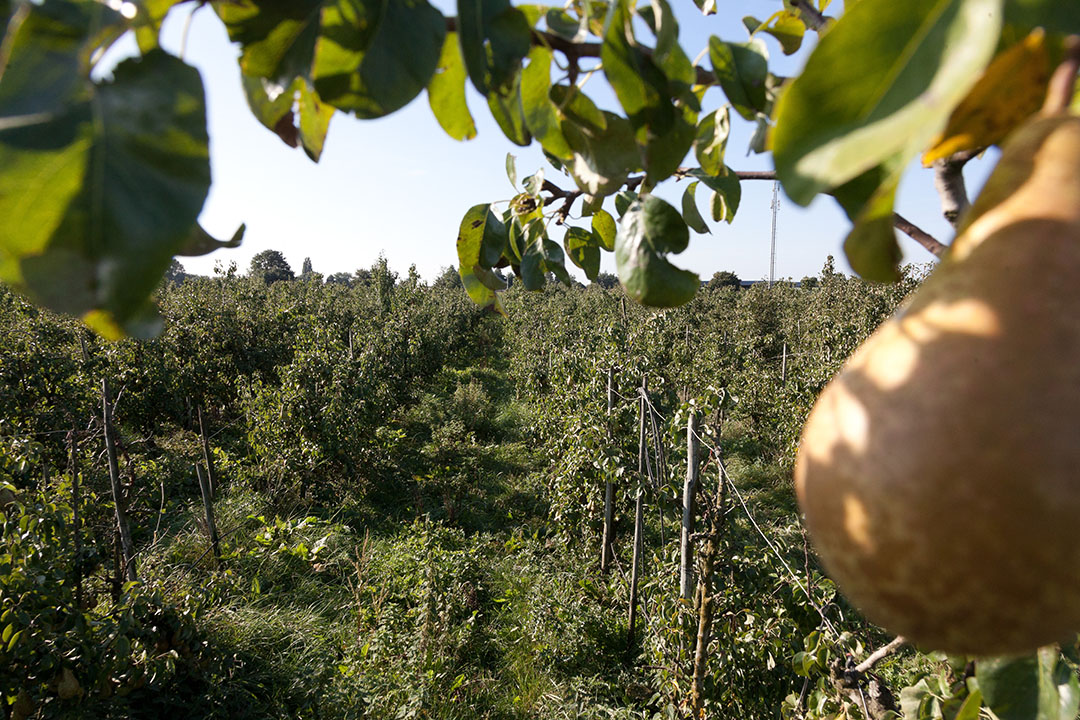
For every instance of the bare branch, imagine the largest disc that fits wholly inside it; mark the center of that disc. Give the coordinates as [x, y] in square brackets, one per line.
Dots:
[882, 652]
[919, 235]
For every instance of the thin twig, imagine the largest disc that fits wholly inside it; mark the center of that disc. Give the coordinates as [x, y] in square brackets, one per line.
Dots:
[884, 651]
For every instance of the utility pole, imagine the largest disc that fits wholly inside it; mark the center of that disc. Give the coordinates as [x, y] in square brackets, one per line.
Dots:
[772, 240]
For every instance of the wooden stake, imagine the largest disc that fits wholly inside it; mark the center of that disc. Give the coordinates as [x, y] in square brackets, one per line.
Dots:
[609, 486]
[208, 509]
[126, 545]
[635, 567]
[74, 446]
[686, 546]
[208, 457]
[783, 365]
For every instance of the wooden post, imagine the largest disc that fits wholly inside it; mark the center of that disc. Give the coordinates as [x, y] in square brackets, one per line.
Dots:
[208, 457]
[609, 486]
[208, 509]
[783, 365]
[705, 599]
[76, 529]
[122, 527]
[686, 546]
[635, 567]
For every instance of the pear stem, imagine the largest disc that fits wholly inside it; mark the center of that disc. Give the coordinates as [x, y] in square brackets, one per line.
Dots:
[1059, 93]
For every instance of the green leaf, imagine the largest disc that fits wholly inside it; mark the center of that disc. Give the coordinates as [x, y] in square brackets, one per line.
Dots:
[727, 192]
[970, 709]
[602, 161]
[582, 248]
[272, 106]
[665, 152]
[554, 260]
[534, 183]
[649, 230]
[99, 196]
[690, 211]
[541, 116]
[575, 107]
[711, 141]
[277, 39]
[494, 36]
[511, 169]
[148, 22]
[200, 242]
[603, 227]
[315, 118]
[1038, 686]
[560, 23]
[373, 58]
[784, 25]
[506, 108]
[741, 70]
[1054, 16]
[495, 241]
[623, 200]
[640, 86]
[891, 74]
[446, 92]
[871, 246]
[471, 251]
[532, 258]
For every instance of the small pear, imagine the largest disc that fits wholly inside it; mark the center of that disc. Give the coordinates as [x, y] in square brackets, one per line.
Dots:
[939, 471]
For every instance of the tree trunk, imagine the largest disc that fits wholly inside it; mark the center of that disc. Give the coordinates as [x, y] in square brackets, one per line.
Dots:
[705, 604]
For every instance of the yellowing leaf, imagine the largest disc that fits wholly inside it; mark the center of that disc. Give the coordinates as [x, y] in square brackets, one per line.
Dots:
[1010, 90]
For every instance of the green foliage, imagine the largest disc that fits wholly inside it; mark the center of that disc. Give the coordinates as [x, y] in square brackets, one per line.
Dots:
[270, 266]
[875, 88]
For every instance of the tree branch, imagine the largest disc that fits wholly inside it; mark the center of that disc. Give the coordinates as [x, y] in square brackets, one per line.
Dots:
[574, 51]
[949, 182]
[928, 241]
[810, 15]
[884, 651]
[919, 235]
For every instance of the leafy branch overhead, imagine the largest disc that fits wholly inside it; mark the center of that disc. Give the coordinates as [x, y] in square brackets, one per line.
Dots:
[101, 182]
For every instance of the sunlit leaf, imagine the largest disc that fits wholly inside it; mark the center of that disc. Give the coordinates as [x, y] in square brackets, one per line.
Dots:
[727, 193]
[1010, 90]
[373, 58]
[602, 161]
[690, 211]
[315, 118]
[603, 227]
[470, 246]
[741, 70]
[711, 141]
[575, 107]
[784, 25]
[649, 230]
[641, 87]
[884, 97]
[446, 92]
[505, 107]
[541, 116]
[277, 39]
[581, 247]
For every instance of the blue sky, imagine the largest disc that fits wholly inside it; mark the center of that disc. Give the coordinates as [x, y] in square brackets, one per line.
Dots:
[399, 185]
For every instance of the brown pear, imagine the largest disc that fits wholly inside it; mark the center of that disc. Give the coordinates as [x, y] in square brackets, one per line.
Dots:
[939, 471]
